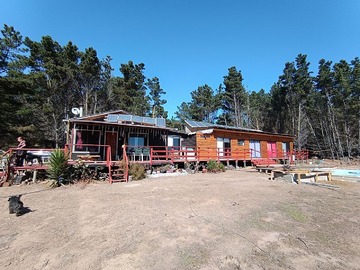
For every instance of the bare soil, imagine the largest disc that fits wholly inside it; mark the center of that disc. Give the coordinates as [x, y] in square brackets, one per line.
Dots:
[233, 220]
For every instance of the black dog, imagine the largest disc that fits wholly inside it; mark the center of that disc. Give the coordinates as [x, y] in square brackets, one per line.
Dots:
[16, 206]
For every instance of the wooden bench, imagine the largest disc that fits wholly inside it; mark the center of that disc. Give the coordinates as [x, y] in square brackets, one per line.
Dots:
[264, 169]
[299, 173]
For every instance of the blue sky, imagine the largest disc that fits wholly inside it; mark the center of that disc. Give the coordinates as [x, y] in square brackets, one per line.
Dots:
[189, 43]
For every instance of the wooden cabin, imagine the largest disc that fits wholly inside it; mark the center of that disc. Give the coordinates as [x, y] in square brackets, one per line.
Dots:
[229, 143]
[91, 135]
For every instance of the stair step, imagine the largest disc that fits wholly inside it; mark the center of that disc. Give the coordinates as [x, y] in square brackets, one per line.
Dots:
[118, 180]
[117, 170]
[117, 174]
[264, 161]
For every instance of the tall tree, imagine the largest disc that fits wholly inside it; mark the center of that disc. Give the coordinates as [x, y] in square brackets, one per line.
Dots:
[90, 72]
[234, 99]
[56, 70]
[258, 111]
[204, 104]
[15, 87]
[355, 90]
[157, 109]
[130, 91]
[11, 50]
[328, 125]
[295, 86]
[278, 110]
[105, 101]
[303, 88]
[183, 112]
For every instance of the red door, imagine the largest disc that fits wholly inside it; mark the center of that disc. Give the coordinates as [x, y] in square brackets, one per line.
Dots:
[111, 139]
[271, 148]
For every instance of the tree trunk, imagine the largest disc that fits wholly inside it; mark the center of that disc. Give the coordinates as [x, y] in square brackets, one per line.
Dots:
[56, 135]
[335, 133]
[86, 103]
[299, 127]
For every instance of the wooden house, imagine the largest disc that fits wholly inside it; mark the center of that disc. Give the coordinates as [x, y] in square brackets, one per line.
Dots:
[229, 143]
[149, 140]
[91, 135]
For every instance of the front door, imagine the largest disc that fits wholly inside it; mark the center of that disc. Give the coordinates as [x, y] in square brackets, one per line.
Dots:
[111, 138]
[271, 149]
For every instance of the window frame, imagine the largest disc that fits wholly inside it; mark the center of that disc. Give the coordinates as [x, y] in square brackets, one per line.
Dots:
[242, 142]
[86, 148]
[144, 136]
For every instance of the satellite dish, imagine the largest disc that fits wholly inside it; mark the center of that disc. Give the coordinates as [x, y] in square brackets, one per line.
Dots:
[75, 111]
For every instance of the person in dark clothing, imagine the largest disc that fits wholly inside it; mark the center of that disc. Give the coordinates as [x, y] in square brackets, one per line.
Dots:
[20, 154]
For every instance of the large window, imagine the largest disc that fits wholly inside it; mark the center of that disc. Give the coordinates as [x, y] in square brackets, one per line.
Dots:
[255, 148]
[137, 140]
[87, 141]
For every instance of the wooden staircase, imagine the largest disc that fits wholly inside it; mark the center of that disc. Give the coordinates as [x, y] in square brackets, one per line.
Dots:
[119, 170]
[263, 162]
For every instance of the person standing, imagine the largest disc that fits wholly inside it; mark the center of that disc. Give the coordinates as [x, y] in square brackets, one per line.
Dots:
[20, 154]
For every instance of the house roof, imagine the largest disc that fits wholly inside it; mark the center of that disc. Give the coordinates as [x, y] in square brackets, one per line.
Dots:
[129, 118]
[123, 118]
[105, 123]
[100, 116]
[205, 126]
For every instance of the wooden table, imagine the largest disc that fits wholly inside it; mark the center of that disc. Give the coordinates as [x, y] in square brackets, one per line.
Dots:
[298, 173]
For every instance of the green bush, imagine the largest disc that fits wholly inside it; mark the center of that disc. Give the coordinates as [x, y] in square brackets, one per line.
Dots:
[213, 166]
[80, 172]
[58, 166]
[137, 171]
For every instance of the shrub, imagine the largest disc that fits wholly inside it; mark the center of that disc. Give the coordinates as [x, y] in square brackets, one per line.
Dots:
[213, 166]
[80, 172]
[58, 166]
[137, 171]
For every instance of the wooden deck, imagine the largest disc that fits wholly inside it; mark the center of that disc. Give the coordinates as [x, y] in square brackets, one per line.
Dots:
[152, 156]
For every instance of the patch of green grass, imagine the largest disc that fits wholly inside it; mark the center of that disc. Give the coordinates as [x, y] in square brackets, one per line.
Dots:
[193, 256]
[295, 213]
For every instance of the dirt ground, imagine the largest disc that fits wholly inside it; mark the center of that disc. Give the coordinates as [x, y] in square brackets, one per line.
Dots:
[233, 220]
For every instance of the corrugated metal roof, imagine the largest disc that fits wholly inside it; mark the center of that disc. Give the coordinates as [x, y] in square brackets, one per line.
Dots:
[196, 124]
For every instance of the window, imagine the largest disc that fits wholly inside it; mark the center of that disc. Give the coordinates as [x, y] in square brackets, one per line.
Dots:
[223, 146]
[285, 148]
[174, 142]
[138, 140]
[87, 141]
[255, 148]
[241, 143]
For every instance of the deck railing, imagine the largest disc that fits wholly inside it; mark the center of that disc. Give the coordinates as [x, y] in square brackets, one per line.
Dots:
[158, 154]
